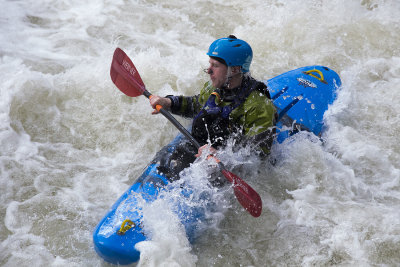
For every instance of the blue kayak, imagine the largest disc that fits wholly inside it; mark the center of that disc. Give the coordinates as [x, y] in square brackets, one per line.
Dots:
[301, 98]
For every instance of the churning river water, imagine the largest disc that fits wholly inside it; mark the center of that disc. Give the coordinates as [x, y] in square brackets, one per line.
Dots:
[71, 143]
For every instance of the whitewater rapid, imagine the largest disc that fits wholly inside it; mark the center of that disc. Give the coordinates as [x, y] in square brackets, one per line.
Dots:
[71, 143]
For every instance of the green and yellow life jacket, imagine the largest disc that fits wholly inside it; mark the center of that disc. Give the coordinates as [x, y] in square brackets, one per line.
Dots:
[245, 112]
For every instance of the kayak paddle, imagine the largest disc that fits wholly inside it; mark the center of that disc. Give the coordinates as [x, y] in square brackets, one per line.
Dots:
[125, 76]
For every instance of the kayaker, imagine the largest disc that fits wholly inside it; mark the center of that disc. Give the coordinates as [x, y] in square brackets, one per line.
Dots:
[231, 105]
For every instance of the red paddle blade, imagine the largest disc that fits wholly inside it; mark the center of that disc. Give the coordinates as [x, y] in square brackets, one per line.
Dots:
[245, 194]
[125, 76]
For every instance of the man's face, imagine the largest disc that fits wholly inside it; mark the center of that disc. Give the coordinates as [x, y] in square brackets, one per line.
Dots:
[218, 73]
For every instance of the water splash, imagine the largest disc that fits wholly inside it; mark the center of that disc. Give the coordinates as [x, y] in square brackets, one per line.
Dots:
[71, 143]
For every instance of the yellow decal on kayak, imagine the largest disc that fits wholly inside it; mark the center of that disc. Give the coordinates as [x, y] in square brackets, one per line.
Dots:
[311, 73]
[125, 226]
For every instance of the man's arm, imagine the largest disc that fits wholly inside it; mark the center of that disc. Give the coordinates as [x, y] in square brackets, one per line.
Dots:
[258, 122]
[186, 106]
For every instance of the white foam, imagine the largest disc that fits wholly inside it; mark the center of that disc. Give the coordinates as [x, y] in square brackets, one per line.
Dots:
[71, 143]
[168, 244]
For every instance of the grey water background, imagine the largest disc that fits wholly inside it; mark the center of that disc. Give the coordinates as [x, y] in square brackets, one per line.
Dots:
[71, 143]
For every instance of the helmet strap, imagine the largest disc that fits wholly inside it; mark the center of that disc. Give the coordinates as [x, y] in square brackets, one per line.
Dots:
[229, 76]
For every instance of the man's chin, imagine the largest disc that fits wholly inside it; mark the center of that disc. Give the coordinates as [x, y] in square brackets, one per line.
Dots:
[214, 84]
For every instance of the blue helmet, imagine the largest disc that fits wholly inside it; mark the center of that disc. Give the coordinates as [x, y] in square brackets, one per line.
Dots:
[233, 51]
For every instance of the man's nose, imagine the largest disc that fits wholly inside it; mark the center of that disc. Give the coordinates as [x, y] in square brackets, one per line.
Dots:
[208, 71]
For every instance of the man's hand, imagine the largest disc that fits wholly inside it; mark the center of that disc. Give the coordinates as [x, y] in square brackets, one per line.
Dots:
[206, 149]
[162, 101]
